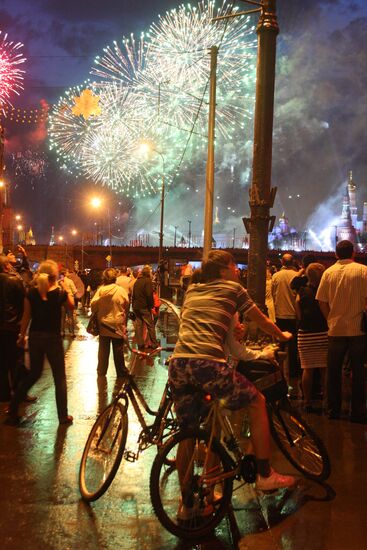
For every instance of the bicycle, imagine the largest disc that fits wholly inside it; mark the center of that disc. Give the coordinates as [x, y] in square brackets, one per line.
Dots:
[208, 466]
[212, 463]
[105, 446]
[295, 438]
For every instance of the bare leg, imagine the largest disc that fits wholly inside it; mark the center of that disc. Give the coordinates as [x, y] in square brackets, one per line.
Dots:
[259, 425]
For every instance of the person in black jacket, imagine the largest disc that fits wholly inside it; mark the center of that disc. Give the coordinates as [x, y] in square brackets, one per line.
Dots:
[11, 311]
[142, 302]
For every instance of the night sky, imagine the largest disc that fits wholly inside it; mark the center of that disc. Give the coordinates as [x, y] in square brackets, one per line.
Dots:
[320, 108]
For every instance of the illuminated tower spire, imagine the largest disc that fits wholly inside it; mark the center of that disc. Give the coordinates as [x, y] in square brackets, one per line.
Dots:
[216, 215]
[52, 239]
[346, 230]
[352, 199]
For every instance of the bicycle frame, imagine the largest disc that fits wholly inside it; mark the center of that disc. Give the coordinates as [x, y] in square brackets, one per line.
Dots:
[219, 423]
[150, 434]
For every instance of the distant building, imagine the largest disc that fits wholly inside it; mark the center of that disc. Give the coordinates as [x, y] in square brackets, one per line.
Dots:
[349, 227]
[29, 238]
[52, 238]
[345, 229]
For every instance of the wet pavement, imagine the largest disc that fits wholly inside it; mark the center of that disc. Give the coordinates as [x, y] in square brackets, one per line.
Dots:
[40, 501]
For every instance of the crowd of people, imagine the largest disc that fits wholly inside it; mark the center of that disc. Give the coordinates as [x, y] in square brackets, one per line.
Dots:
[37, 308]
[317, 312]
[324, 310]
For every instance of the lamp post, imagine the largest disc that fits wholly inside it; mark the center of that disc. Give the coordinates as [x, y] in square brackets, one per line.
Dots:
[61, 241]
[209, 183]
[261, 194]
[189, 235]
[145, 148]
[160, 253]
[96, 202]
[75, 232]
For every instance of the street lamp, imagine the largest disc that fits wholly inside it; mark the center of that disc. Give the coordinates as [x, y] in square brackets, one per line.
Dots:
[145, 148]
[189, 235]
[96, 202]
[74, 232]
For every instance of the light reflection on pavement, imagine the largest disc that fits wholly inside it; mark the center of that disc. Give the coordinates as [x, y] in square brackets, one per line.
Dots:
[39, 462]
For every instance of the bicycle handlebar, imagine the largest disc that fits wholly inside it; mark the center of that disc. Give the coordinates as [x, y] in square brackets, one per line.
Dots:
[152, 353]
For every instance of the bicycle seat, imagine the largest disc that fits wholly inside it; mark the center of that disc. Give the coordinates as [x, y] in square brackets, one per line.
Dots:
[267, 377]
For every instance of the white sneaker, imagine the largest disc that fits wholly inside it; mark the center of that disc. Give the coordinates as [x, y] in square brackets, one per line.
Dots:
[274, 481]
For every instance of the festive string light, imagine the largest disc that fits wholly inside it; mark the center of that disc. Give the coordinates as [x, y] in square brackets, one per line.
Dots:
[23, 116]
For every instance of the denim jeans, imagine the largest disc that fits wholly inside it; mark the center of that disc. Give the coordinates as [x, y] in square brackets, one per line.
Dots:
[338, 348]
[290, 325]
[104, 354]
[42, 345]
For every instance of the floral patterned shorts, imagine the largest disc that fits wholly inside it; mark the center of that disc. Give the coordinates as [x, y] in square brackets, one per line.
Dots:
[217, 379]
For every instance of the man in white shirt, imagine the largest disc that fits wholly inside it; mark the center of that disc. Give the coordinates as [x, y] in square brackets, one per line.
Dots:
[285, 316]
[342, 295]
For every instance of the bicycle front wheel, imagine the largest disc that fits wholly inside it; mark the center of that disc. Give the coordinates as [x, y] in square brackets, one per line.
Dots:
[299, 443]
[103, 452]
[191, 484]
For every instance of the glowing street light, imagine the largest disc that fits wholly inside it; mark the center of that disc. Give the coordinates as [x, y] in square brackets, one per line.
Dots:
[96, 202]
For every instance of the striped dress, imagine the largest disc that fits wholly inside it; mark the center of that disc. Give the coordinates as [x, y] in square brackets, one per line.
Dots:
[312, 333]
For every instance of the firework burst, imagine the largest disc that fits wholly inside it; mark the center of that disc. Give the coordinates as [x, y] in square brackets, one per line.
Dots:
[155, 88]
[112, 159]
[178, 59]
[68, 132]
[11, 76]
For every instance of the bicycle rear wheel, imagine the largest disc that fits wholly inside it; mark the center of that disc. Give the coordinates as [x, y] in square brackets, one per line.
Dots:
[298, 442]
[205, 492]
[103, 452]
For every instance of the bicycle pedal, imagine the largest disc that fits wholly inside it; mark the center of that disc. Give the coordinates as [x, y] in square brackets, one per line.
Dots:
[130, 456]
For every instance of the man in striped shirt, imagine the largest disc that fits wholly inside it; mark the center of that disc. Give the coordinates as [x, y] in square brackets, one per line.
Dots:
[199, 359]
[342, 295]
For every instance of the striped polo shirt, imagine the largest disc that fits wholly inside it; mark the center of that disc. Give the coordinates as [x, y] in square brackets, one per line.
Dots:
[206, 317]
[344, 287]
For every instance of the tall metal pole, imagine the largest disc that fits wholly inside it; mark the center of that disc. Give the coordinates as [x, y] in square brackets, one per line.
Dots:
[189, 235]
[209, 186]
[109, 236]
[160, 253]
[82, 251]
[261, 194]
